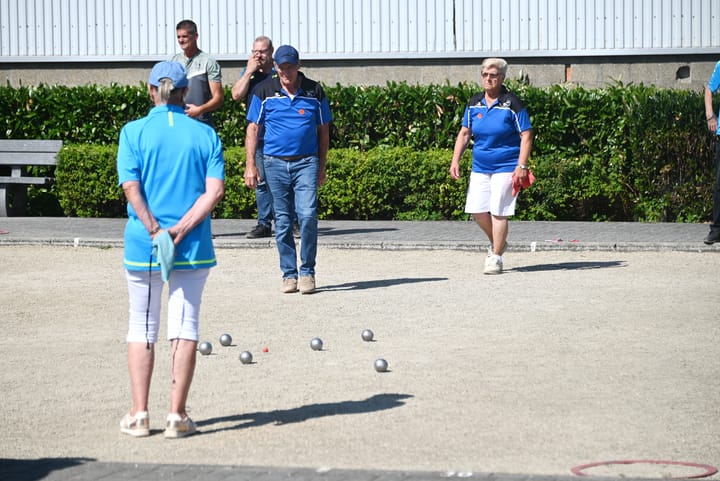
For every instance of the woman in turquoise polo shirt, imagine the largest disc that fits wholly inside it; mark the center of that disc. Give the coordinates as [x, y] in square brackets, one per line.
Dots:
[172, 171]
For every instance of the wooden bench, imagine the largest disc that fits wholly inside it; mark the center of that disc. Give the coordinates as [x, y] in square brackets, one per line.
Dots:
[18, 155]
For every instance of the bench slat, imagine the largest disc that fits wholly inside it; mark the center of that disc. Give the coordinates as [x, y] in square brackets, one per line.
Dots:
[15, 145]
[24, 158]
[26, 180]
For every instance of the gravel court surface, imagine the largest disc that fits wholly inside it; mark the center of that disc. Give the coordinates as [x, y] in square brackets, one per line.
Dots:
[567, 358]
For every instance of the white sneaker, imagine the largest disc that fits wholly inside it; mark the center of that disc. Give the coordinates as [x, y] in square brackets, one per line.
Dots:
[177, 427]
[493, 264]
[137, 426]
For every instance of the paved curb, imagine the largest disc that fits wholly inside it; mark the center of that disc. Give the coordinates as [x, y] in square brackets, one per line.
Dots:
[388, 235]
[85, 469]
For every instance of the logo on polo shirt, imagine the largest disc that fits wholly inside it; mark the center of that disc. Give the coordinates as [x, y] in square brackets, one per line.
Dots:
[301, 111]
[479, 115]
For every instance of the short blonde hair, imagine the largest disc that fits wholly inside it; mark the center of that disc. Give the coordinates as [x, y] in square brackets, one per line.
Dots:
[500, 64]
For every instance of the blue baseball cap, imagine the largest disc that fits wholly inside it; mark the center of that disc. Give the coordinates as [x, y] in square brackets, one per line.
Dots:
[172, 70]
[287, 54]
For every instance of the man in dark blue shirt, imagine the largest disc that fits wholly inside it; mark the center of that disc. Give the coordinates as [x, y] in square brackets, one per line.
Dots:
[296, 116]
[259, 68]
[713, 86]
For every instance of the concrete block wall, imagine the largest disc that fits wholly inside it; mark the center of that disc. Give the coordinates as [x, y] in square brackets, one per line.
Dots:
[684, 72]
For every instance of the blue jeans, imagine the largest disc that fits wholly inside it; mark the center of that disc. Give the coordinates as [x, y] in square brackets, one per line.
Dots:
[263, 196]
[294, 186]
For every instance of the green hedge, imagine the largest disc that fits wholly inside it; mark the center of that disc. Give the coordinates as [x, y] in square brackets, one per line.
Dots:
[624, 152]
[365, 117]
[621, 153]
[394, 183]
[404, 184]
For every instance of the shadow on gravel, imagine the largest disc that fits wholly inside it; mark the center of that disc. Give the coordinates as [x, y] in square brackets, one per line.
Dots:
[230, 234]
[351, 286]
[379, 402]
[569, 266]
[34, 469]
[323, 231]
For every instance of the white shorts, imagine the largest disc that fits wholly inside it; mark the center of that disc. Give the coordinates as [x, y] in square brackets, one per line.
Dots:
[185, 288]
[490, 193]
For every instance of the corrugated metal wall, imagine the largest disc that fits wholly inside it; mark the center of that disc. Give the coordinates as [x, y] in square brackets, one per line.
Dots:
[111, 30]
[590, 26]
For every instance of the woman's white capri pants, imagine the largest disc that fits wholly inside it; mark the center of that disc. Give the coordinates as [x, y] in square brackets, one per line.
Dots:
[185, 288]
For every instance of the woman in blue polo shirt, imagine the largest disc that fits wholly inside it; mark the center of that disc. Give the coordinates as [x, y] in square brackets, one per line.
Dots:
[500, 128]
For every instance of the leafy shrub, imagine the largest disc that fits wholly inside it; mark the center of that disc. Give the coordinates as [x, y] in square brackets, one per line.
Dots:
[86, 114]
[391, 183]
[420, 116]
[620, 153]
[239, 201]
[87, 181]
[381, 184]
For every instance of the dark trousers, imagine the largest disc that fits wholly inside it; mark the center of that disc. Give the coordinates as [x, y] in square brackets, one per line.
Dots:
[715, 227]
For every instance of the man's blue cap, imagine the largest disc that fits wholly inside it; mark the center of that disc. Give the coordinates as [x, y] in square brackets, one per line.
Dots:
[172, 70]
[287, 54]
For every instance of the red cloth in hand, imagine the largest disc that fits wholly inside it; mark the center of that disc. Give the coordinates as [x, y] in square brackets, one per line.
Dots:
[519, 184]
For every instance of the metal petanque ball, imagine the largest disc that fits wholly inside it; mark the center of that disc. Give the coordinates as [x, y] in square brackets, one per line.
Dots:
[381, 365]
[316, 344]
[367, 335]
[205, 348]
[246, 357]
[226, 339]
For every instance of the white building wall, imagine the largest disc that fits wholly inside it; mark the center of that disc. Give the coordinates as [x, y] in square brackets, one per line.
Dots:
[144, 30]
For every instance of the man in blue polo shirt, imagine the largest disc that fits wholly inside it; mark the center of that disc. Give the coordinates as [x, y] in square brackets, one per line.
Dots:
[296, 116]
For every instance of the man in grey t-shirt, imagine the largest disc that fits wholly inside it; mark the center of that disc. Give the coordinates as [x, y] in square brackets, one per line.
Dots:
[203, 72]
